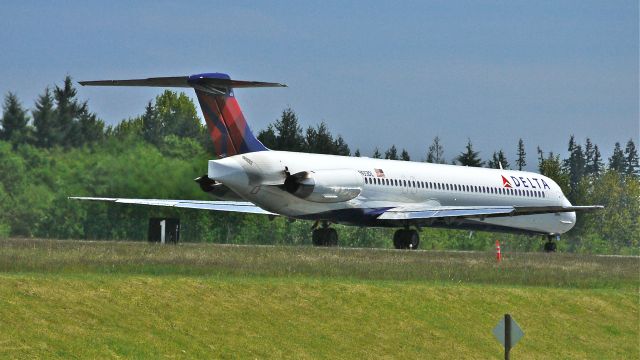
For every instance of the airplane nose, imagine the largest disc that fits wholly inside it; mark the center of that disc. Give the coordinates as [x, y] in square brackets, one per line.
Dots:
[227, 171]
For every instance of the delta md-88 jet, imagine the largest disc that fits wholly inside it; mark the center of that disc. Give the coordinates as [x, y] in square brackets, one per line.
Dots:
[249, 178]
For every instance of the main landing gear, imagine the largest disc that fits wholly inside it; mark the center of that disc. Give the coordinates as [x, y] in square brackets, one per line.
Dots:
[550, 246]
[406, 239]
[324, 236]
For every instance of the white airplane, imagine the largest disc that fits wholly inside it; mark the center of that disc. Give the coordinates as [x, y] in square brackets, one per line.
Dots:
[249, 178]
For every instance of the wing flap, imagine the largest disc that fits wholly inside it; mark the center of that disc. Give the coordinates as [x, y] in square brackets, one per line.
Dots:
[415, 213]
[531, 210]
[229, 206]
[444, 212]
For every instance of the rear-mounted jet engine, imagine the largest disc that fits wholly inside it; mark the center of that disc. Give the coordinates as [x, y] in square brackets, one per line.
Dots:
[325, 186]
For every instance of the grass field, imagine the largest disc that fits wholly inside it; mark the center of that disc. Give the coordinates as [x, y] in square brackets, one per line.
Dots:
[66, 299]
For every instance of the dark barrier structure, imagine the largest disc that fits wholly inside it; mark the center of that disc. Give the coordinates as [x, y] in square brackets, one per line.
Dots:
[164, 230]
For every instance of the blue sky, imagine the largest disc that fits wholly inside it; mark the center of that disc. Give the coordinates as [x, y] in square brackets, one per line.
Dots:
[379, 73]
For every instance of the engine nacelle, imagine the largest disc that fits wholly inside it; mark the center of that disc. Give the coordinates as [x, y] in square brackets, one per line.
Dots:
[325, 186]
[217, 190]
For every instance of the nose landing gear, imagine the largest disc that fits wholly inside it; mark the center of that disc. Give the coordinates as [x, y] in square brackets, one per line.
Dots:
[550, 246]
[406, 239]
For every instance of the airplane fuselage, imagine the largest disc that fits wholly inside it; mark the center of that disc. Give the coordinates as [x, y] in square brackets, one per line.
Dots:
[358, 189]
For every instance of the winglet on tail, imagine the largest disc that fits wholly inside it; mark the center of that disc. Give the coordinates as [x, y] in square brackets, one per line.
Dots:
[227, 126]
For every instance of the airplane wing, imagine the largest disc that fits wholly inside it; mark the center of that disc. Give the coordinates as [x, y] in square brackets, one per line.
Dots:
[231, 206]
[416, 212]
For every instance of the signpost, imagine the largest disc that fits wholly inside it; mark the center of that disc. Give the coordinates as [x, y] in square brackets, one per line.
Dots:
[508, 332]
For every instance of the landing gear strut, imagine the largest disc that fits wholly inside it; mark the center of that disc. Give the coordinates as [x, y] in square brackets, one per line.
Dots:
[324, 236]
[550, 245]
[406, 239]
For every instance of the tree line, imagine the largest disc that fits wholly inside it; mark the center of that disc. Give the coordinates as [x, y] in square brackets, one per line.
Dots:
[59, 148]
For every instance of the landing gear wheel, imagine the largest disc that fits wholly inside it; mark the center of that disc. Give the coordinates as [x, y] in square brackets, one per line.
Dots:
[324, 237]
[331, 237]
[398, 237]
[550, 246]
[317, 238]
[406, 239]
[413, 240]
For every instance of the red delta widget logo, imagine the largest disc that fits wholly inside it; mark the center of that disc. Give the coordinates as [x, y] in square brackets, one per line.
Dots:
[524, 182]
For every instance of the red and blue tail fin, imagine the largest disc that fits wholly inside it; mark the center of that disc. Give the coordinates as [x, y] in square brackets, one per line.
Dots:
[226, 124]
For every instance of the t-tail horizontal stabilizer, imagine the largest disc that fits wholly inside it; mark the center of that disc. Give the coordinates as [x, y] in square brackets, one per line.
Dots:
[208, 82]
[227, 126]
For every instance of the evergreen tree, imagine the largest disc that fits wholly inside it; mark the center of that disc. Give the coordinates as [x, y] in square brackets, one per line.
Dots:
[74, 136]
[521, 162]
[540, 159]
[435, 154]
[617, 160]
[152, 127]
[470, 157]
[67, 111]
[341, 147]
[502, 158]
[597, 166]
[73, 125]
[311, 140]
[357, 153]
[589, 155]
[289, 133]
[14, 120]
[405, 155]
[376, 154]
[493, 162]
[498, 159]
[574, 166]
[319, 140]
[631, 159]
[268, 137]
[90, 128]
[44, 120]
[392, 153]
